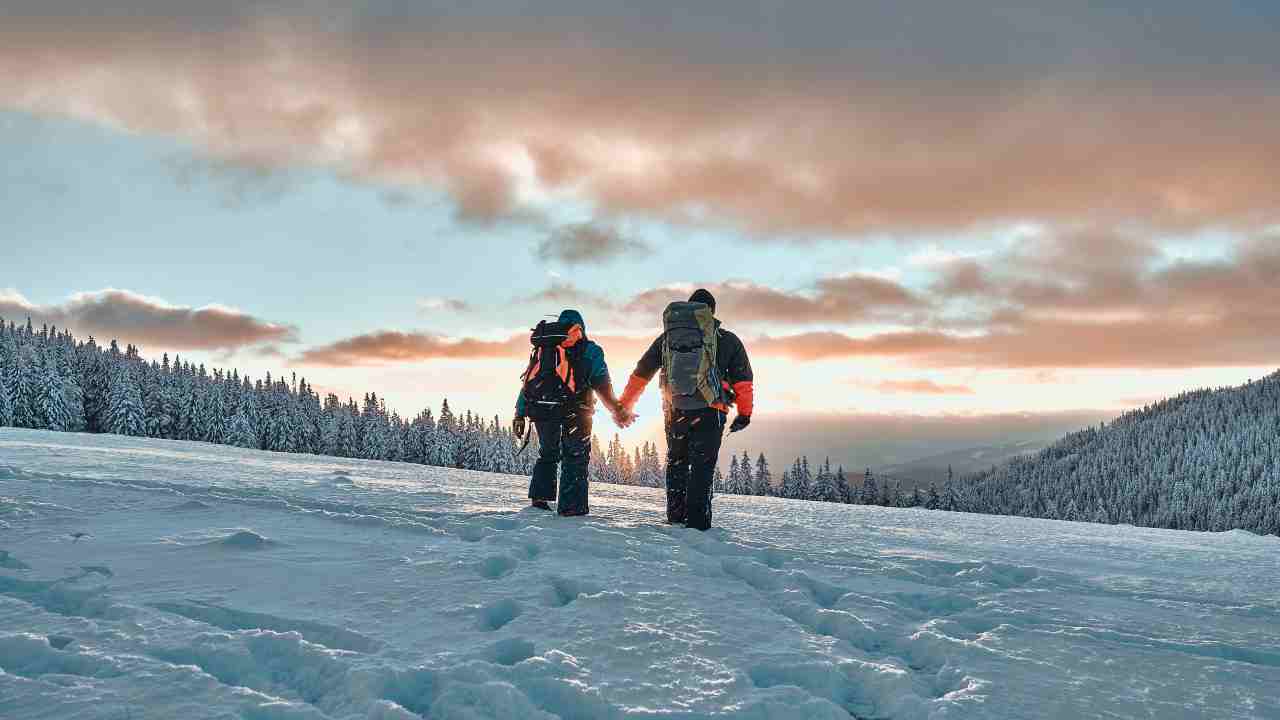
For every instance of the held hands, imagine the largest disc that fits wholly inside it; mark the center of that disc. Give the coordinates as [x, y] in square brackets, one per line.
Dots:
[623, 417]
[517, 426]
[740, 423]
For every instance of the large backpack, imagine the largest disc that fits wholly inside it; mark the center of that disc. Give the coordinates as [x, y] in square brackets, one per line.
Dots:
[550, 380]
[689, 346]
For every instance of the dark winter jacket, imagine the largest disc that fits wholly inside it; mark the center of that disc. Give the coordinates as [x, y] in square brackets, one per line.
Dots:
[590, 364]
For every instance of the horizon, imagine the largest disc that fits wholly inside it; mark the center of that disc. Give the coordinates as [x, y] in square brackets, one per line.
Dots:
[1000, 225]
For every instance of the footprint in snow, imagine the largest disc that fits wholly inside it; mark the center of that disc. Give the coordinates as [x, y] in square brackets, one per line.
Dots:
[496, 615]
[497, 566]
[9, 562]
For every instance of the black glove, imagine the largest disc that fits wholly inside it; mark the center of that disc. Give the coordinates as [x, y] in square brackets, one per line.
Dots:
[740, 423]
[517, 426]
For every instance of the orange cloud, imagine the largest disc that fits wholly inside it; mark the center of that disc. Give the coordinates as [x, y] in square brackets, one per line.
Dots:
[921, 387]
[730, 127]
[136, 318]
[389, 346]
[843, 299]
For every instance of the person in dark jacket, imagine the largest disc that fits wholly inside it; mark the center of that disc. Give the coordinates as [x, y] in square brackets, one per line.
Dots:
[693, 436]
[566, 443]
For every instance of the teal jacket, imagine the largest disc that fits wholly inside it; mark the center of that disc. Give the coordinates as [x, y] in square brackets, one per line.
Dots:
[591, 365]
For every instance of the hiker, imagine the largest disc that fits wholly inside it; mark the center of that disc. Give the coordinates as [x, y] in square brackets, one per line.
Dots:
[565, 373]
[705, 369]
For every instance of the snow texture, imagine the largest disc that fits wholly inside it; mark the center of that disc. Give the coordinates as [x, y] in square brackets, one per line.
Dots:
[162, 579]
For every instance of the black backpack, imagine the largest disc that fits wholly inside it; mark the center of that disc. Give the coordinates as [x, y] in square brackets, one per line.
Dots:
[690, 345]
[550, 380]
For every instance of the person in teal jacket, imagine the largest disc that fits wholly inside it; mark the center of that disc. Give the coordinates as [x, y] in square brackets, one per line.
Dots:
[566, 443]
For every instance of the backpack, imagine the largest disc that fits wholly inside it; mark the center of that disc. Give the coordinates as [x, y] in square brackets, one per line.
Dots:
[550, 380]
[689, 347]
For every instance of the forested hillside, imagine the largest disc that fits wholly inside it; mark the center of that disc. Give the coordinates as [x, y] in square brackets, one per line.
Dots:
[1205, 460]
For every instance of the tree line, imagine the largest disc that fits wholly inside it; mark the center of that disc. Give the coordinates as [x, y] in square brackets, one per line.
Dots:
[1206, 460]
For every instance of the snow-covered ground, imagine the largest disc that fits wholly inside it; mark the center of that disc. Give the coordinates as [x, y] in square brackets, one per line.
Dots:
[213, 582]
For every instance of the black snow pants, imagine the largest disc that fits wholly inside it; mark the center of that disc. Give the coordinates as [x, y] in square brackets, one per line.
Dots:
[693, 446]
[566, 444]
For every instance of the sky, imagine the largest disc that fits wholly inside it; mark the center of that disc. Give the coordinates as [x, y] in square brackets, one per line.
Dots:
[1012, 218]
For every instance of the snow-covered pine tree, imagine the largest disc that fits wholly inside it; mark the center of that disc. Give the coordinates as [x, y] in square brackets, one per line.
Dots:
[801, 484]
[870, 493]
[54, 392]
[845, 490]
[239, 431]
[8, 365]
[25, 387]
[124, 407]
[932, 501]
[762, 482]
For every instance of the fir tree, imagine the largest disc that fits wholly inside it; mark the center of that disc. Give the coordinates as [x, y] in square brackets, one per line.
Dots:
[870, 493]
[763, 481]
[124, 411]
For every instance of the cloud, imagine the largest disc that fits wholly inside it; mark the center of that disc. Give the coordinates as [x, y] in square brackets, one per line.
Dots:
[390, 346]
[139, 319]
[385, 347]
[567, 294]
[841, 117]
[1097, 301]
[587, 244]
[437, 304]
[920, 387]
[833, 300]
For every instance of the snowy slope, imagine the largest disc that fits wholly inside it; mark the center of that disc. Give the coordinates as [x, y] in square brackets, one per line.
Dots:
[222, 583]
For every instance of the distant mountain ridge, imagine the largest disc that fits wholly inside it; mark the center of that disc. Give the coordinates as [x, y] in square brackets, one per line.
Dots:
[1204, 460]
[933, 469]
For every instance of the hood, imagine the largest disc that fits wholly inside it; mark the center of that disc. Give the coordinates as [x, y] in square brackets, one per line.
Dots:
[573, 317]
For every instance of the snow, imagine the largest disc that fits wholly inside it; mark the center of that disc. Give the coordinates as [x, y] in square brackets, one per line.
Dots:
[157, 579]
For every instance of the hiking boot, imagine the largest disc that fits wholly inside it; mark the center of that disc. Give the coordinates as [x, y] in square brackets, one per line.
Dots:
[540, 504]
[572, 513]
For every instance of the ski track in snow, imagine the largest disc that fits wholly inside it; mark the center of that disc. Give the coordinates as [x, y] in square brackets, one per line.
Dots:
[150, 579]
